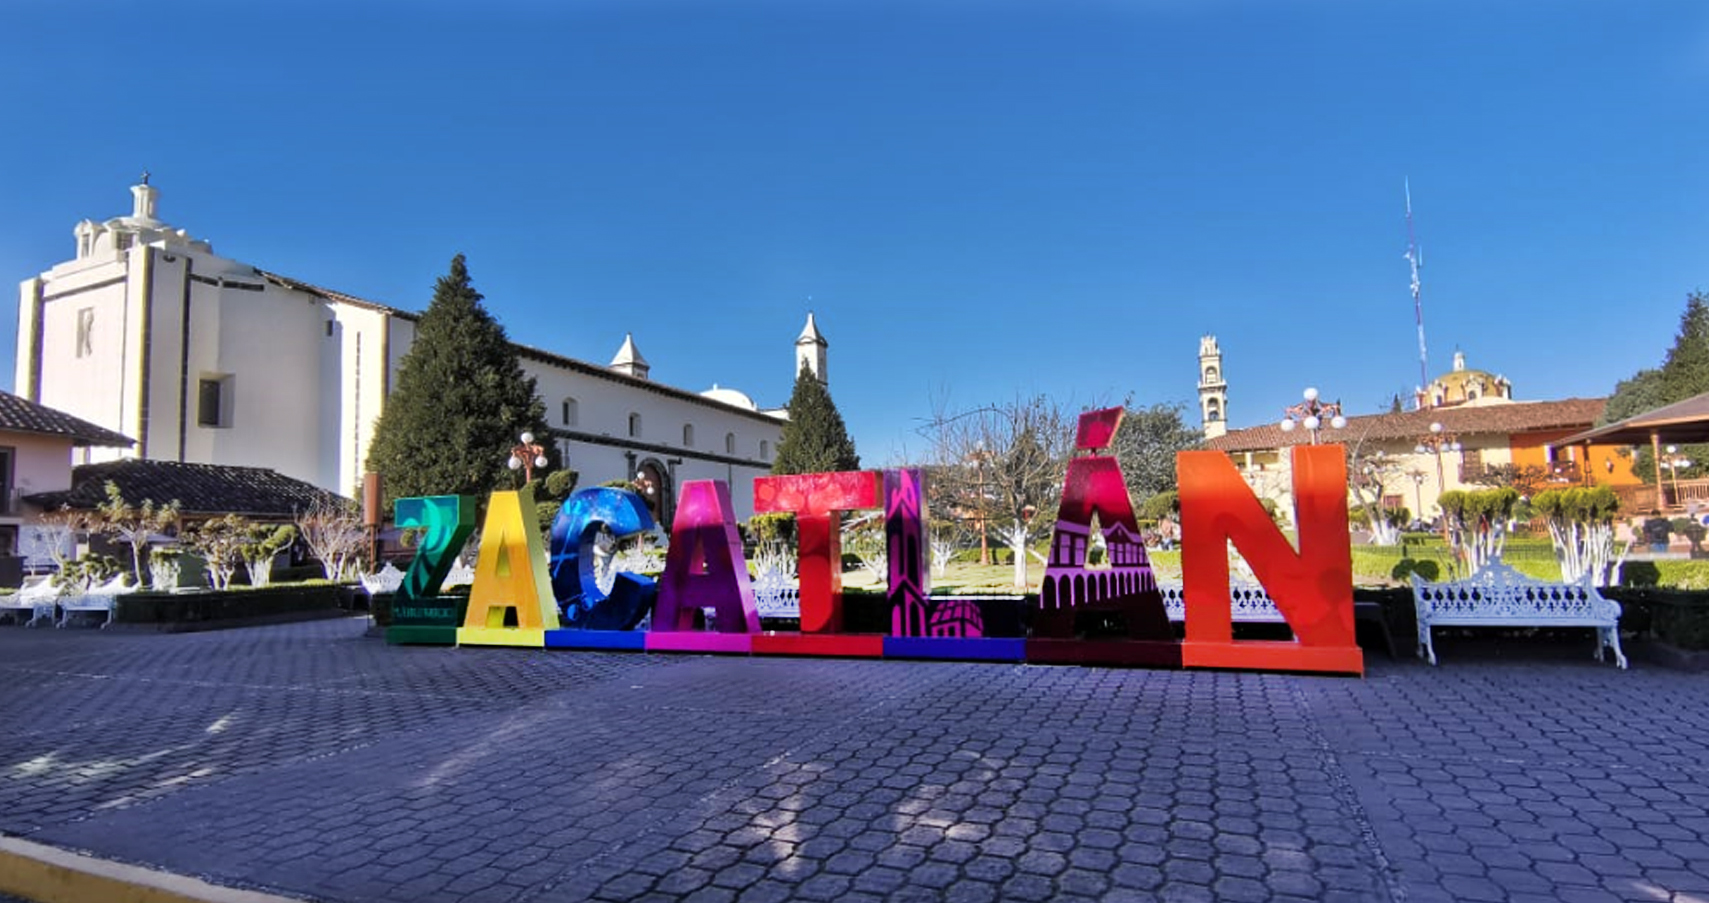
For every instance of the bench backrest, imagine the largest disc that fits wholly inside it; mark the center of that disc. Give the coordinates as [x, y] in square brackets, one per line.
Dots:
[1251, 604]
[1497, 591]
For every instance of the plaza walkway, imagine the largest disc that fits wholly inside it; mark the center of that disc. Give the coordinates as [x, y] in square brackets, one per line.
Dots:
[310, 761]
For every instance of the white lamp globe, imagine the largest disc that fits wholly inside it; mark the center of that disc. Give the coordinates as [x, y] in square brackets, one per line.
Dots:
[514, 463]
[540, 461]
[1436, 427]
[1338, 422]
[1419, 449]
[527, 438]
[1310, 393]
[1288, 425]
[1311, 422]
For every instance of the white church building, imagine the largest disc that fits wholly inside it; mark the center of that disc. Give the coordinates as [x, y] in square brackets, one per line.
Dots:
[203, 359]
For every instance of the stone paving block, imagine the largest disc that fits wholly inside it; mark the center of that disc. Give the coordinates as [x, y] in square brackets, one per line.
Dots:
[306, 757]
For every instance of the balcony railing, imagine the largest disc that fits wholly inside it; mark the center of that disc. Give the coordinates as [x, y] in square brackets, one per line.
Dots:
[1674, 496]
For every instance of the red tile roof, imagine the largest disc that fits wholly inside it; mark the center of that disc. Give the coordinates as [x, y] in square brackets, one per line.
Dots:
[1462, 420]
[20, 415]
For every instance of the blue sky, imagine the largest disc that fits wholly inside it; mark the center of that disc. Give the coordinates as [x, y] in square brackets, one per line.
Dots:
[981, 199]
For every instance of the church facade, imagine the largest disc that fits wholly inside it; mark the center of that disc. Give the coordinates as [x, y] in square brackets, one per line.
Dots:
[203, 359]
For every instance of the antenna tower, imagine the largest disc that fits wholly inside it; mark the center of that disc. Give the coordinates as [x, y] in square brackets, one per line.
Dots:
[1415, 258]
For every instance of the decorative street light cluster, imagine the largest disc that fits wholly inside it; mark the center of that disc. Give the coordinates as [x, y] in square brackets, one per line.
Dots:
[526, 456]
[1313, 415]
[1438, 441]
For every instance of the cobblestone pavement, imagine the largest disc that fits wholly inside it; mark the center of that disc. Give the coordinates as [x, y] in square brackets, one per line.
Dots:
[309, 760]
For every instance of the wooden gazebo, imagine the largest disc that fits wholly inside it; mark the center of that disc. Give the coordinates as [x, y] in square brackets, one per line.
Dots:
[1680, 423]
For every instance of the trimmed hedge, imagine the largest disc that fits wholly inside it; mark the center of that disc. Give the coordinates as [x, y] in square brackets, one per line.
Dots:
[266, 602]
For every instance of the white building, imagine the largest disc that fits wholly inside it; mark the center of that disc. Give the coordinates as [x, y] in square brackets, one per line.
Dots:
[203, 359]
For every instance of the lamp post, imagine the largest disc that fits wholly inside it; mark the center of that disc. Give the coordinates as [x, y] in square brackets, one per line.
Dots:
[1437, 441]
[1313, 415]
[525, 456]
[1673, 462]
[1417, 493]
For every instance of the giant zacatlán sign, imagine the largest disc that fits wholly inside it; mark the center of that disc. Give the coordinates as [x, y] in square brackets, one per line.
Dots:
[545, 594]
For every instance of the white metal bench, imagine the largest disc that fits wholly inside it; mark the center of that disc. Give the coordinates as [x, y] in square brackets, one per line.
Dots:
[1250, 603]
[459, 575]
[102, 599]
[37, 598]
[1499, 596]
[386, 580]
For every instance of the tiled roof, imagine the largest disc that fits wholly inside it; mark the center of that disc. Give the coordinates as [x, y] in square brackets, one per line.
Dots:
[1462, 420]
[20, 415]
[200, 489]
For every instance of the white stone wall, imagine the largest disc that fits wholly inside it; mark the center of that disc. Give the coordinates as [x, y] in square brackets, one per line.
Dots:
[308, 376]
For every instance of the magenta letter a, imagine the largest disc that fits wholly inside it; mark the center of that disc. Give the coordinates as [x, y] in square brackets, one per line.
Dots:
[705, 568]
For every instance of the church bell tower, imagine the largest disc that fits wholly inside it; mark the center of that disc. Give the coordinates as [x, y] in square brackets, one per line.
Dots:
[1213, 392]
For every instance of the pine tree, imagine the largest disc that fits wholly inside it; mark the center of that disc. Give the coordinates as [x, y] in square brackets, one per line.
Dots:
[1683, 374]
[815, 440]
[460, 402]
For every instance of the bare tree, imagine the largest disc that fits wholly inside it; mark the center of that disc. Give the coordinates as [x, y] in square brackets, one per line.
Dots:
[1371, 474]
[54, 534]
[999, 468]
[332, 530]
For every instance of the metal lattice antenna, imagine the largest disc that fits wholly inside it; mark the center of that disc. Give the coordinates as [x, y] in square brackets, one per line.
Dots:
[1415, 258]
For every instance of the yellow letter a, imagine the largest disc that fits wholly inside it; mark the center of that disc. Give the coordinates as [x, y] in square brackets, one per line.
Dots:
[510, 575]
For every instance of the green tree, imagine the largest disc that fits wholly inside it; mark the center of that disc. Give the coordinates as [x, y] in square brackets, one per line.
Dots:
[134, 525]
[1145, 445]
[460, 403]
[815, 440]
[1683, 373]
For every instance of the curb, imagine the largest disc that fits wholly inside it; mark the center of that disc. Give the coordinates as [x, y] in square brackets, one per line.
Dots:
[50, 875]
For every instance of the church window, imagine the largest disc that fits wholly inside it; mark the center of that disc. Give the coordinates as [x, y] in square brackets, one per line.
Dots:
[729, 443]
[570, 412]
[765, 450]
[688, 435]
[329, 329]
[1213, 411]
[213, 401]
[634, 425]
[86, 332]
[1210, 374]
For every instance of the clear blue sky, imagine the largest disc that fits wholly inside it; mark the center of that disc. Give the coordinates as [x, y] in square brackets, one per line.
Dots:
[980, 198]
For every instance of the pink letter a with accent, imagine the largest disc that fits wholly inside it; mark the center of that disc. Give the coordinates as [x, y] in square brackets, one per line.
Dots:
[705, 568]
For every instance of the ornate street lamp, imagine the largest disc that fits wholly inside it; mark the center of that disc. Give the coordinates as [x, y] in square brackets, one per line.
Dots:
[1314, 415]
[1673, 462]
[527, 455]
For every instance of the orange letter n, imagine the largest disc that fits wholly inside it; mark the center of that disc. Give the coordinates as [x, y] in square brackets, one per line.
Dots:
[1312, 588]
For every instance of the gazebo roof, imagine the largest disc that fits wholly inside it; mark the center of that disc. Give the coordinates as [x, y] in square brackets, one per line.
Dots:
[1680, 422]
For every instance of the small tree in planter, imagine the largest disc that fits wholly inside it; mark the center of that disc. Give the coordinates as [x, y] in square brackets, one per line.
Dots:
[163, 568]
[261, 544]
[90, 570]
[220, 543]
[1581, 525]
[1477, 523]
[134, 525]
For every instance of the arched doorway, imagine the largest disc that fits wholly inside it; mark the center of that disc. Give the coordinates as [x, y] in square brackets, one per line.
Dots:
[653, 479]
